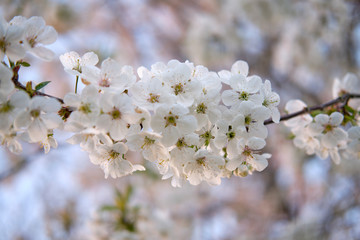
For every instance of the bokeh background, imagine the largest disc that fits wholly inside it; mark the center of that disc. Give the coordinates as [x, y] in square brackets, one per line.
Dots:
[301, 46]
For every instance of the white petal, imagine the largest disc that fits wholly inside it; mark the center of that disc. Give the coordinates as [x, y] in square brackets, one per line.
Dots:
[256, 143]
[23, 119]
[90, 58]
[233, 164]
[51, 120]
[240, 67]
[230, 97]
[43, 53]
[322, 118]
[37, 131]
[253, 84]
[336, 118]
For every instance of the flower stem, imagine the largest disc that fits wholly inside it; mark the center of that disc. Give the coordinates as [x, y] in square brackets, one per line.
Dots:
[76, 83]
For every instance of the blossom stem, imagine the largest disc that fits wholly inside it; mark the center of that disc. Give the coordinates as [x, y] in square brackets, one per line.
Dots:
[15, 79]
[342, 99]
[76, 83]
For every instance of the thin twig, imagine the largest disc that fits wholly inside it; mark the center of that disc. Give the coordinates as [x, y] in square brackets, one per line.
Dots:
[343, 99]
[14, 170]
[15, 79]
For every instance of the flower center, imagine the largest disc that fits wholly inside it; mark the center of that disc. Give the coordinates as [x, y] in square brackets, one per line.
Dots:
[6, 107]
[248, 120]
[35, 113]
[247, 151]
[113, 155]
[115, 114]
[230, 135]
[207, 136]
[201, 108]
[153, 98]
[3, 44]
[32, 41]
[147, 142]
[244, 96]
[201, 161]
[265, 103]
[171, 120]
[180, 143]
[328, 128]
[178, 88]
[104, 82]
[85, 108]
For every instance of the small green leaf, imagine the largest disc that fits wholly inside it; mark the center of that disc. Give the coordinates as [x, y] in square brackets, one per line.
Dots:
[41, 85]
[109, 208]
[29, 87]
[350, 109]
[348, 119]
[316, 112]
[24, 64]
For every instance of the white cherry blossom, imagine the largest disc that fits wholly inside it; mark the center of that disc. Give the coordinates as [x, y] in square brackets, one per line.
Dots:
[86, 106]
[87, 138]
[39, 117]
[6, 85]
[11, 140]
[10, 108]
[73, 63]
[10, 37]
[150, 146]
[298, 123]
[204, 166]
[150, 94]
[253, 119]
[36, 34]
[111, 160]
[179, 82]
[117, 115]
[349, 84]
[270, 100]
[332, 135]
[243, 89]
[248, 150]
[172, 121]
[238, 68]
[110, 77]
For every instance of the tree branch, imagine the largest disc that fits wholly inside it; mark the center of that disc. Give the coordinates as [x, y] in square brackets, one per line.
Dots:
[15, 79]
[343, 99]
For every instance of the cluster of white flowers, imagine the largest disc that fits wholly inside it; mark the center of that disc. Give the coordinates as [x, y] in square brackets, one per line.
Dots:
[193, 124]
[172, 116]
[329, 133]
[21, 117]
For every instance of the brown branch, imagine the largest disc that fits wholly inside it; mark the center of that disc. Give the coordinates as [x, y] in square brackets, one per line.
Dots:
[15, 79]
[343, 99]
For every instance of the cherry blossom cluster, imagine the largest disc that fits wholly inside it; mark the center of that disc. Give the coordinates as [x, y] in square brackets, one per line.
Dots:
[193, 124]
[23, 115]
[333, 133]
[172, 116]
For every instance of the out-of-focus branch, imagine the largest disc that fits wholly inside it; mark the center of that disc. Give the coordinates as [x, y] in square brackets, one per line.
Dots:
[13, 170]
[343, 99]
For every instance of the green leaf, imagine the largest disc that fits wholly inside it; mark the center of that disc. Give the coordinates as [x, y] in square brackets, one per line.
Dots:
[348, 119]
[109, 208]
[29, 87]
[316, 112]
[41, 85]
[24, 64]
[350, 109]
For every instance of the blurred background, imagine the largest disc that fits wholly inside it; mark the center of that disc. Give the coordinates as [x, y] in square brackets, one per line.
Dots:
[301, 46]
